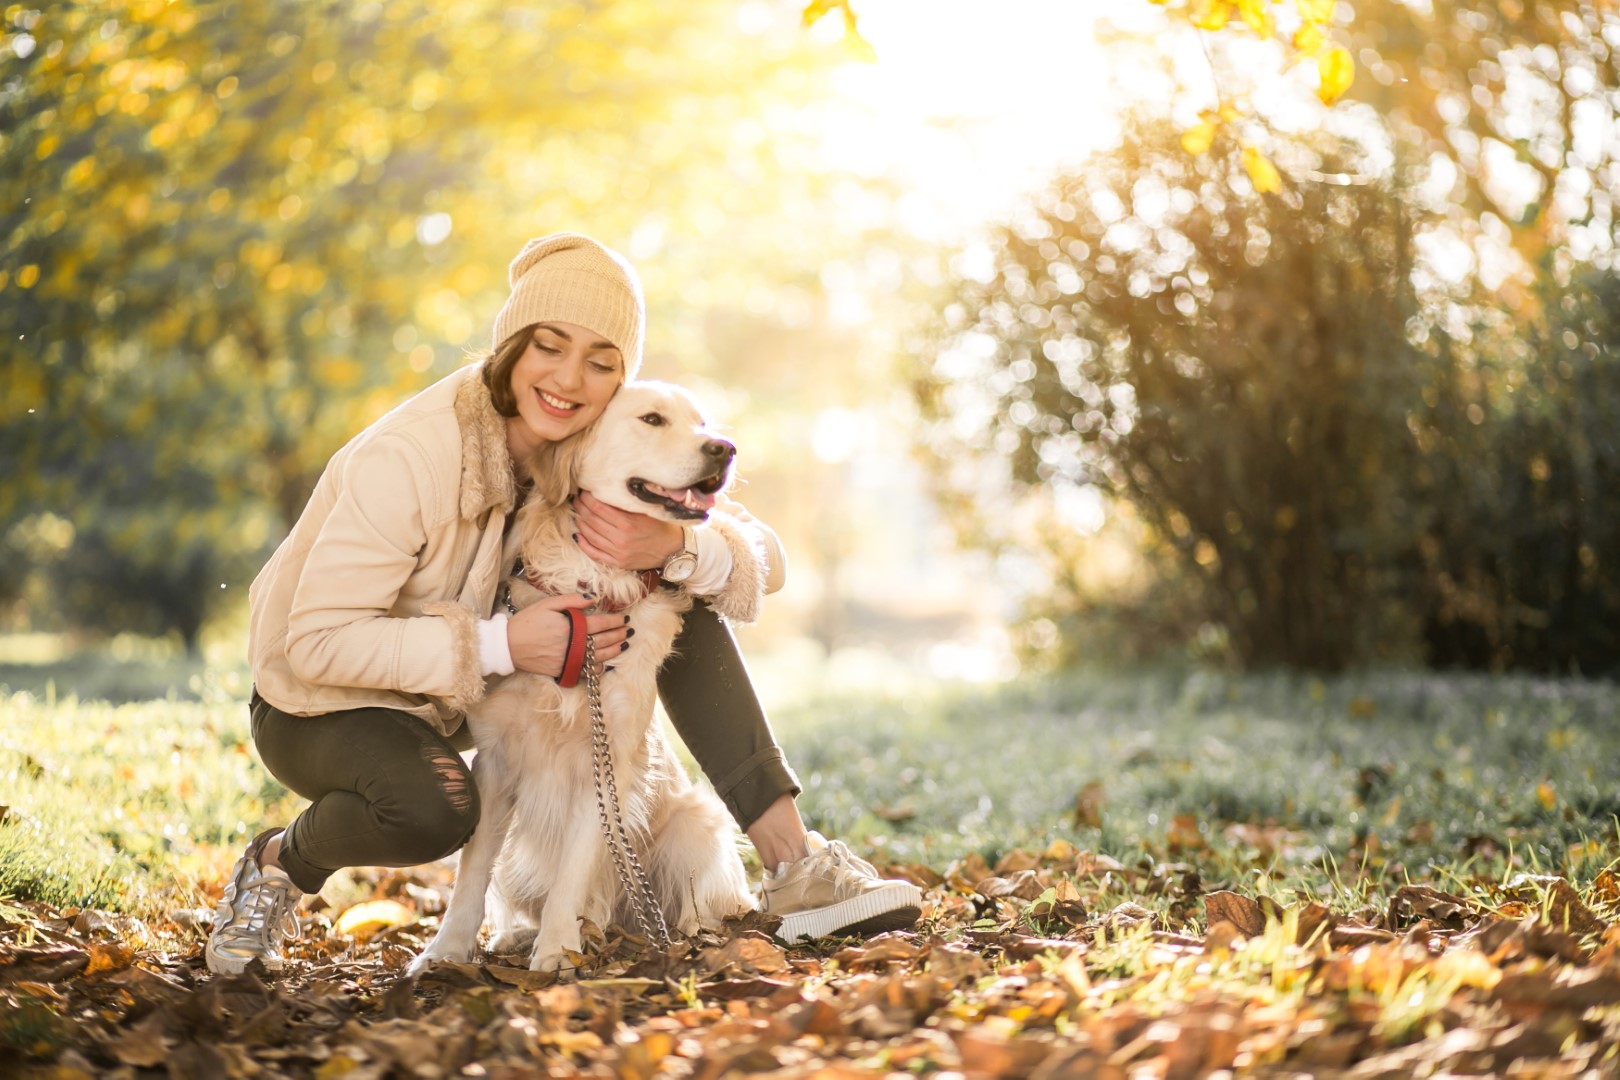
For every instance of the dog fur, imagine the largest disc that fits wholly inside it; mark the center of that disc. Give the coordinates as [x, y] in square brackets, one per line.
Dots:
[538, 852]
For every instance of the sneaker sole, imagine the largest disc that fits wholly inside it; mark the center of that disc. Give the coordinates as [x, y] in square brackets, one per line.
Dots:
[895, 908]
[231, 965]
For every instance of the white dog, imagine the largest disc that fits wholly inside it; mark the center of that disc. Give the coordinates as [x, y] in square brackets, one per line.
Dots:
[539, 850]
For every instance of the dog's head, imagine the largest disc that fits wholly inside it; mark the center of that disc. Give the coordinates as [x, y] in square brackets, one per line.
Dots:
[652, 452]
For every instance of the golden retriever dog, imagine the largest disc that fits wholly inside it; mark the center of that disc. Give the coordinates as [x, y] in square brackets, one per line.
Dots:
[539, 853]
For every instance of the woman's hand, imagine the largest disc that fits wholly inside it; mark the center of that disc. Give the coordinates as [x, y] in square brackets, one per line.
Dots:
[622, 539]
[538, 635]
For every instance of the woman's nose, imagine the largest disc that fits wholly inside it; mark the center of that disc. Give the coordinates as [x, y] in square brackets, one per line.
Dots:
[571, 372]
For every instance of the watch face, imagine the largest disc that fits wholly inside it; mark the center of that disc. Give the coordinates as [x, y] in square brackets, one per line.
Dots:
[680, 568]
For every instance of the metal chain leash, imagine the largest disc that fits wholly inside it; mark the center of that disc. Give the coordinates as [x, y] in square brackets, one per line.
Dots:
[632, 876]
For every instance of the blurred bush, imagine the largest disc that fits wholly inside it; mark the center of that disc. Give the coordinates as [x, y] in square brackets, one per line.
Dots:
[1324, 464]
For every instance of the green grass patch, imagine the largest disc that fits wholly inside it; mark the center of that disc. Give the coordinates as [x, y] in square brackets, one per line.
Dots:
[1254, 779]
[127, 806]
[1336, 789]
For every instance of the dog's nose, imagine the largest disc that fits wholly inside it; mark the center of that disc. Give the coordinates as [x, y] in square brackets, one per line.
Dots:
[719, 450]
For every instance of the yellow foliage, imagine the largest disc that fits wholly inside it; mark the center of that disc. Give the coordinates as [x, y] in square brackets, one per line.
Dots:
[1257, 14]
[1337, 71]
[1198, 138]
[1262, 173]
[1316, 11]
[1210, 14]
[1309, 39]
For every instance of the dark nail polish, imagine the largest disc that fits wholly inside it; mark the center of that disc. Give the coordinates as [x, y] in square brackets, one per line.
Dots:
[623, 647]
[627, 622]
[630, 633]
[576, 537]
[589, 595]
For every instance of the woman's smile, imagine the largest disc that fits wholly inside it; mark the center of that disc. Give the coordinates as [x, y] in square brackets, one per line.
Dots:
[557, 406]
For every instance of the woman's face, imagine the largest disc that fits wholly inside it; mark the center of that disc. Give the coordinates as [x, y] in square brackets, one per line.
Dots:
[561, 383]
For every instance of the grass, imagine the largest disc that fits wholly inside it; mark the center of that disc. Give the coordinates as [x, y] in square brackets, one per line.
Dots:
[1339, 790]
[1258, 779]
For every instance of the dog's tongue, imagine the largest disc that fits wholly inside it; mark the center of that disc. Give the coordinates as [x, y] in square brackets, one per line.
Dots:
[690, 498]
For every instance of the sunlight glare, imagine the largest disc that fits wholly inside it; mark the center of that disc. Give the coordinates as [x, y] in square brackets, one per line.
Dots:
[970, 108]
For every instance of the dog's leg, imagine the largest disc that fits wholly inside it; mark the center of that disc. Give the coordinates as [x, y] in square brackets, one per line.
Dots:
[457, 938]
[582, 852]
[508, 933]
[700, 876]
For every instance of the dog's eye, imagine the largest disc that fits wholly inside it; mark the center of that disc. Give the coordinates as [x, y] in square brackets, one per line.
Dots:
[653, 419]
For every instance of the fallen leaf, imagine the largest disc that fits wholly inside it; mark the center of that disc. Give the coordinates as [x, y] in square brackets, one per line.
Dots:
[1413, 902]
[1240, 911]
[1184, 833]
[1024, 885]
[1088, 806]
[363, 920]
[111, 957]
[141, 1046]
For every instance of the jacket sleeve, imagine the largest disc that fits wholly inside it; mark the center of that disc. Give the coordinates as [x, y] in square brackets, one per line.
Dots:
[758, 563]
[341, 630]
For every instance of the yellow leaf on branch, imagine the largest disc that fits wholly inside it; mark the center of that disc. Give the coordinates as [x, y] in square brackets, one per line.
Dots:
[1309, 39]
[1314, 11]
[1337, 72]
[1257, 14]
[1198, 138]
[1262, 172]
[1210, 14]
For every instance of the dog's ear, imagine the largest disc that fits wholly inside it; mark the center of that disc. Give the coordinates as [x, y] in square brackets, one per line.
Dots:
[555, 468]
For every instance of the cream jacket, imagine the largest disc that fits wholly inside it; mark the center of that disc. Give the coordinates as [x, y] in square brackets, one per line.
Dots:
[374, 597]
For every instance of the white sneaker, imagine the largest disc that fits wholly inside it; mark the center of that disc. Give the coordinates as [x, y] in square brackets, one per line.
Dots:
[255, 915]
[831, 891]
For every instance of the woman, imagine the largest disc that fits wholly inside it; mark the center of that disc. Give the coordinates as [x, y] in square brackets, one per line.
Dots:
[372, 626]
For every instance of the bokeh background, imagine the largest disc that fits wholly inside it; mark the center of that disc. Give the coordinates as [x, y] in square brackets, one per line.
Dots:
[1053, 334]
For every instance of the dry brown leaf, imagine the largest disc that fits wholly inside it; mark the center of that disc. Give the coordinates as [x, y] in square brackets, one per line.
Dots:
[1240, 911]
[1413, 902]
[1023, 884]
[967, 872]
[751, 953]
[1016, 861]
[1088, 806]
[141, 1046]
[114, 956]
[1184, 833]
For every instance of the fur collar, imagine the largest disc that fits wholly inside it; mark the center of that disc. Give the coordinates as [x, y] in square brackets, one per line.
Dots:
[486, 464]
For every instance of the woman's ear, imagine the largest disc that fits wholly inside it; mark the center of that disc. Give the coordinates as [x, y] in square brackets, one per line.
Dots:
[555, 468]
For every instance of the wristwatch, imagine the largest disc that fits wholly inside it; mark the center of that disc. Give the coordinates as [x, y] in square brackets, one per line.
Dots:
[683, 563]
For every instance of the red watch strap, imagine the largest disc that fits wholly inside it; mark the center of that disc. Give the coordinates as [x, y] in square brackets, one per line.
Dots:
[574, 660]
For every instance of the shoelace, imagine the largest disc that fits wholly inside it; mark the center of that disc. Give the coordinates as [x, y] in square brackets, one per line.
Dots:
[841, 865]
[265, 902]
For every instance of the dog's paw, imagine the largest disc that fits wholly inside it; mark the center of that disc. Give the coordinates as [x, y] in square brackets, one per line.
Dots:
[514, 939]
[431, 955]
[558, 960]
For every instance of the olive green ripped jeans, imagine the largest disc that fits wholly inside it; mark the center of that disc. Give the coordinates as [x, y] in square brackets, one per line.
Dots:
[385, 789]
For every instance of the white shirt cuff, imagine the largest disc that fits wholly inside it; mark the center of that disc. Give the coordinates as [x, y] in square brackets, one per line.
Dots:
[713, 563]
[494, 654]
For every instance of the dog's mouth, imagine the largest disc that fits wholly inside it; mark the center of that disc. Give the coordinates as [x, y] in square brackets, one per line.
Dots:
[691, 503]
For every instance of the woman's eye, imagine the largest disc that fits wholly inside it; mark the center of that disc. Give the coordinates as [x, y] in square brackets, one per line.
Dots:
[604, 368]
[653, 419]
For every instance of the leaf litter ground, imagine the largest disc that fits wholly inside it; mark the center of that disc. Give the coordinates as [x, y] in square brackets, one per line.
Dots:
[1028, 968]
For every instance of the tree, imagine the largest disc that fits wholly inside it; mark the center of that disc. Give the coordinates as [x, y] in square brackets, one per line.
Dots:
[235, 233]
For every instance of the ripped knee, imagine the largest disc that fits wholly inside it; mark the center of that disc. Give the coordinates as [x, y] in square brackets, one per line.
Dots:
[446, 814]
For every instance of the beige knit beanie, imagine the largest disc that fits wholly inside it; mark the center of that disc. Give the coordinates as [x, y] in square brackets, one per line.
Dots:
[572, 278]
